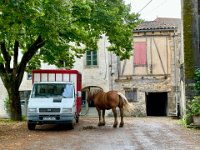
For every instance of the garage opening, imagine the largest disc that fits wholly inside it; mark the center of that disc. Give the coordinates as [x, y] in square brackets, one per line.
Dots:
[156, 104]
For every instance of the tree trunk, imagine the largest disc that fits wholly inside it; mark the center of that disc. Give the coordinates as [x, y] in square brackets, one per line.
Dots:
[14, 97]
[12, 77]
[15, 108]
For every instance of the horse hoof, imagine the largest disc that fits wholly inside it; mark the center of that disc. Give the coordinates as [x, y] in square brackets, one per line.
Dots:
[121, 125]
[101, 124]
[115, 126]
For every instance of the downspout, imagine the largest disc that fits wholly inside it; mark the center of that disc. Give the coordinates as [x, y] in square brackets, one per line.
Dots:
[118, 68]
[175, 79]
[167, 53]
[123, 68]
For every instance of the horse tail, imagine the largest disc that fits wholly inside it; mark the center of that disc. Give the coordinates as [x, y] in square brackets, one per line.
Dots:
[127, 106]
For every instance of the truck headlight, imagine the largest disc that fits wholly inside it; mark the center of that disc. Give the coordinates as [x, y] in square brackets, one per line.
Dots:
[32, 110]
[67, 110]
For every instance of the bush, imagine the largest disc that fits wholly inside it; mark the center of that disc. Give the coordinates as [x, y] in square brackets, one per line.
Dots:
[186, 120]
[197, 80]
[194, 106]
[7, 105]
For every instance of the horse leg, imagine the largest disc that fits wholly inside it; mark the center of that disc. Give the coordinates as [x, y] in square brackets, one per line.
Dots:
[99, 114]
[115, 116]
[122, 116]
[103, 116]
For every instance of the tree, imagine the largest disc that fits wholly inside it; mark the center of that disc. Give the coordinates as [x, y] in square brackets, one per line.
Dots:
[52, 31]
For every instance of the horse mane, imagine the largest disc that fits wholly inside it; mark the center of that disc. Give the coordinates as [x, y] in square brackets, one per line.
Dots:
[95, 91]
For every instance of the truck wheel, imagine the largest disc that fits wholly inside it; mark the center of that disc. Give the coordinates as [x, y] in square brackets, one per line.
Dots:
[72, 125]
[31, 126]
[77, 119]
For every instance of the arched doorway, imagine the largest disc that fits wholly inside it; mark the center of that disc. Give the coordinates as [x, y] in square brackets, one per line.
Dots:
[88, 108]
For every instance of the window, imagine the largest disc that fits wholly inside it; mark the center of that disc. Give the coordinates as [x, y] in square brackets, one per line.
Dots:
[91, 58]
[29, 76]
[140, 53]
[24, 95]
[68, 91]
[131, 95]
[52, 90]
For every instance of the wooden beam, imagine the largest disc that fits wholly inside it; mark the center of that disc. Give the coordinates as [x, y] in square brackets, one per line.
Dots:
[159, 56]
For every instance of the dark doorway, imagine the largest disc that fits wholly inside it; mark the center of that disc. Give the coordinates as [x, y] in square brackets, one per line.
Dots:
[84, 99]
[156, 104]
[85, 91]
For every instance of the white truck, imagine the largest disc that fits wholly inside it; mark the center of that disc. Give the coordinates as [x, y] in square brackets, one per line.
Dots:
[55, 98]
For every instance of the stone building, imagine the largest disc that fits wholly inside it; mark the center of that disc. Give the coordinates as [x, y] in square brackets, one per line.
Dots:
[151, 77]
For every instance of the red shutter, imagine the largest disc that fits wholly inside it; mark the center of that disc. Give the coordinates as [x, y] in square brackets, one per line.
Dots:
[140, 53]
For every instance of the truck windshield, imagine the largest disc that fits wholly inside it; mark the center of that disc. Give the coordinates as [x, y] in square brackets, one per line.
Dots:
[52, 90]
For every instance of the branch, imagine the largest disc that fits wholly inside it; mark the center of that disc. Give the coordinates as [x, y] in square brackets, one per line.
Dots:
[6, 56]
[27, 57]
[2, 69]
[15, 60]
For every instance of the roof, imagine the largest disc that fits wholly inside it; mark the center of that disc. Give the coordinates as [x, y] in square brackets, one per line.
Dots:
[61, 71]
[160, 24]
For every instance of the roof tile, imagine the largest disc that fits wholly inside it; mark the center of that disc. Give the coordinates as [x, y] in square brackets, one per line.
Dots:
[160, 24]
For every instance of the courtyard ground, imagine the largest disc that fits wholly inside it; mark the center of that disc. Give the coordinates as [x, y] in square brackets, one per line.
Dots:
[146, 133]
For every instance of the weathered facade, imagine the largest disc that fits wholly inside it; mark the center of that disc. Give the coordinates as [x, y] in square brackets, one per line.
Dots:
[151, 77]
[96, 75]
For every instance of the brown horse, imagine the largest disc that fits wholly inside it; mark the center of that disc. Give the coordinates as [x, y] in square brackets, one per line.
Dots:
[109, 100]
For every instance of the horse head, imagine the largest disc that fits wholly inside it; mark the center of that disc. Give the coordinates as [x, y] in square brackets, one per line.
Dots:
[93, 93]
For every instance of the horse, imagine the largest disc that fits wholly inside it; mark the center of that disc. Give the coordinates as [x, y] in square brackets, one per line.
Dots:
[109, 100]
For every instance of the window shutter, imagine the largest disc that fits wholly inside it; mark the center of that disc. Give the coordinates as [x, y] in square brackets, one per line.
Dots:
[140, 53]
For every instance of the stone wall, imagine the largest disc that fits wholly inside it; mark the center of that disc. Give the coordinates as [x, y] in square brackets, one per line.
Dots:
[144, 85]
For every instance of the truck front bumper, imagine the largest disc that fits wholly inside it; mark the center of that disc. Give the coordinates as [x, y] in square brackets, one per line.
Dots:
[51, 119]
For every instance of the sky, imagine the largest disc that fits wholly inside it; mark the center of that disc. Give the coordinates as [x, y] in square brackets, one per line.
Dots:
[156, 8]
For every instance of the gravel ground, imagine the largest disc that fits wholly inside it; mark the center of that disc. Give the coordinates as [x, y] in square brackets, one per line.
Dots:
[148, 133]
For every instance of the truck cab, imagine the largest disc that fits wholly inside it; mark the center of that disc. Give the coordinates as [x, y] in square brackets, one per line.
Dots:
[53, 103]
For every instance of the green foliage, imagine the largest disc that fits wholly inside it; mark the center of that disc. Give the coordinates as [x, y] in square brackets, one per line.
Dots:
[197, 79]
[7, 105]
[194, 106]
[186, 120]
[34, 63]
[62, 22]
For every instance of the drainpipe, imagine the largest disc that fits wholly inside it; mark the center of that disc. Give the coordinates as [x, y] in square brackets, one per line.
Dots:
[175, 78]
[111, 72]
